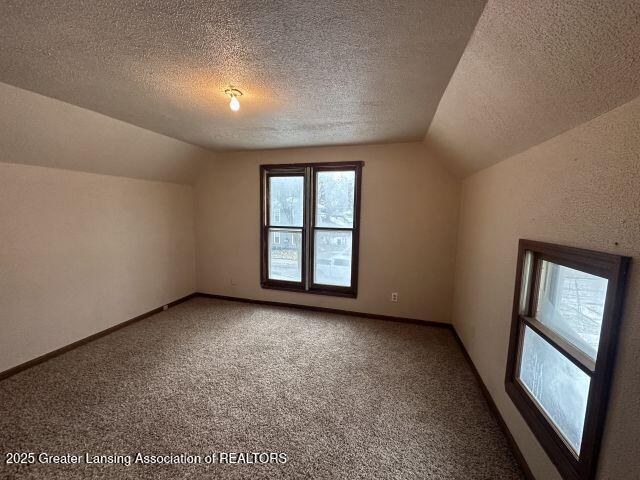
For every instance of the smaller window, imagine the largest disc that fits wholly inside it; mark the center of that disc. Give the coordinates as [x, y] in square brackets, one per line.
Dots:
[276, 238]
[564, 327]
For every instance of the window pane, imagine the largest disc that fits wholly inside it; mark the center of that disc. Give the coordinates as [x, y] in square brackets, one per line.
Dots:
[287, 201]
[334, 199]
[571, 302]
[285, 255]
[332, 262]
[559, 387]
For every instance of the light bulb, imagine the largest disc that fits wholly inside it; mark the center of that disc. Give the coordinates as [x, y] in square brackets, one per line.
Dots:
[234, 104]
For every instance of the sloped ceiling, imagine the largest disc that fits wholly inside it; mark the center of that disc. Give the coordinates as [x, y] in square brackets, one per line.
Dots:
[38, 130]
[312, 72]
[532, 70]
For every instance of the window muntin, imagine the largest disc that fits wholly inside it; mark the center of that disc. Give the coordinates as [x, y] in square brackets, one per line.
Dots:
[320, 203]
[558, 374]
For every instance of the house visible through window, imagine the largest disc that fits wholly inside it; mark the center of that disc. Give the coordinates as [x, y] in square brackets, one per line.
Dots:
[565, 322]
[316, 206]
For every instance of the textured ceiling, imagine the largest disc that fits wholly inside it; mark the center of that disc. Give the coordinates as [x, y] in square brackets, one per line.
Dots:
[533, 70]
[313, 72]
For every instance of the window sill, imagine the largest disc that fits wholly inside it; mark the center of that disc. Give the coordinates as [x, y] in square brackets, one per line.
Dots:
[314, 291]
[561, 456]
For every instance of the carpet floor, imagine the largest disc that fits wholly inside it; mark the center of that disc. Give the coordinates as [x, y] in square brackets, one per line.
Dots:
[343, 397]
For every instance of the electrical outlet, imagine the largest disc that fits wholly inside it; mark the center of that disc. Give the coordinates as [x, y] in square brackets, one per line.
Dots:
[232, 281]
[165, 307]
[394, 297]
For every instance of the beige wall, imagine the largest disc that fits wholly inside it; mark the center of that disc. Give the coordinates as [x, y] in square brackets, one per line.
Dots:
[81, 252]
[409, 212]
[581, 188]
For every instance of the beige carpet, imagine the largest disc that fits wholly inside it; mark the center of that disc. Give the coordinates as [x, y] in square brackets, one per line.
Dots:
[342, 397]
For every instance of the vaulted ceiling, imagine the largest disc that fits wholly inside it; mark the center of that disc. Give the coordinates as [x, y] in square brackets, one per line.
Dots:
[532, 70]
[312, 72]
[476, 86]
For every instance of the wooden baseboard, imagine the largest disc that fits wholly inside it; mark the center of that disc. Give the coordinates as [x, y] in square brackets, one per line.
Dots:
[375, 316]
[489, 399]
[496, 413]
[492, 406]
[71, 346]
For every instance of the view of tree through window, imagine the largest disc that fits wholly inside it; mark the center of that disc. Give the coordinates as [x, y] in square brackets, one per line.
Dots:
[287, 201]
[572, 303]
[335, 193]
[286, 207]
[566, 312]
[310, 231]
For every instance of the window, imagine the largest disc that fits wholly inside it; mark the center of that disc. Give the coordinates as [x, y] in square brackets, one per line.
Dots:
[567, 308]
[318, 207]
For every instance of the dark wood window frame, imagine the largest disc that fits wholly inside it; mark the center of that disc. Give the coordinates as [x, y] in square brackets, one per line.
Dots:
[309, 171]
[612, 267]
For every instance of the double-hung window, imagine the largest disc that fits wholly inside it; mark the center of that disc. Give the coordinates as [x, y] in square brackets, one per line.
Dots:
[317, 207]
[567, 307]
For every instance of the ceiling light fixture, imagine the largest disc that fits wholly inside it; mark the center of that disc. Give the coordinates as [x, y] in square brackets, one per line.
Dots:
[234, 93]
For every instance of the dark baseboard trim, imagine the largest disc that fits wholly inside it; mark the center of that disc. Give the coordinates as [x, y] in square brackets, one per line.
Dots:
[489, 399]
[492, 406]
[47, 356]
[375, 316]
[496, 413]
